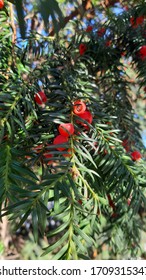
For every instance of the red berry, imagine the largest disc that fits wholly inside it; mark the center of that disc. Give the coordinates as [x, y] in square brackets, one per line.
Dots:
[111, 203]
[47, 155]
[79, 107]
[142, 52]
[40, 98]
[126, 8]
[140, 20]
[28, 157]
[129, 201]
[101, 32]
[108, 43]
[89, 28]
[82, 48]
[123, 53]
[135, 22]
[6, 137]
[105, 152]
[87, 116]
[126, 145]
[114, 215]
[136, 155]
[66, 129]
[109, 123]
[69, 153]
[80, 202]
[60, 139]
[37, 149]
[95, 144]
[1, 4]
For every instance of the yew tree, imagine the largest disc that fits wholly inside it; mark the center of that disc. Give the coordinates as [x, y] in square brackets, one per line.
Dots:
[71, 76]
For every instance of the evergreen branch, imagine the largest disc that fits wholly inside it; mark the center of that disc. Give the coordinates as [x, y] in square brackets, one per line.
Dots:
[7, 169]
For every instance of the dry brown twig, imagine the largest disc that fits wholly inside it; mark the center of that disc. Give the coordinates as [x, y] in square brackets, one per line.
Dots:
[12, 24]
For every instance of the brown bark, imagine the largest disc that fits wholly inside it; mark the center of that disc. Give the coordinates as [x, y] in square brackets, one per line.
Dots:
[81, 10]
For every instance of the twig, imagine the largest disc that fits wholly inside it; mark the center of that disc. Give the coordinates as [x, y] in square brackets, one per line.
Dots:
[86, 5]
[12, 23]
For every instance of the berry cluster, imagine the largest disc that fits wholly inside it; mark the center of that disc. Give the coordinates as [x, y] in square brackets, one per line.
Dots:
[135, 22]
[66, 130]
[79, 109]
[135, 155]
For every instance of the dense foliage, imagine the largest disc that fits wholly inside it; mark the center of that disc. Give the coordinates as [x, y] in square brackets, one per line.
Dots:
[68, 133]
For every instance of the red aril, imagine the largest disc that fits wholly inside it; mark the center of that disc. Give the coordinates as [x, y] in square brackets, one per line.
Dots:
[47, 155]
[87, 116]
[66, 129]
[1, 4]
[142, 52]
[80, 202]
[111, 203]
[125, 144]
[135, 22]
[114, 215]
[37, 149]
[126, 8]
[123, 53]
[101, 32]
[40, 98]
[136, 155]
[129, 201]
[69, 153]
[79, 107]
[60, 139]
[82, 48]
[108, 43]
[89, 28]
